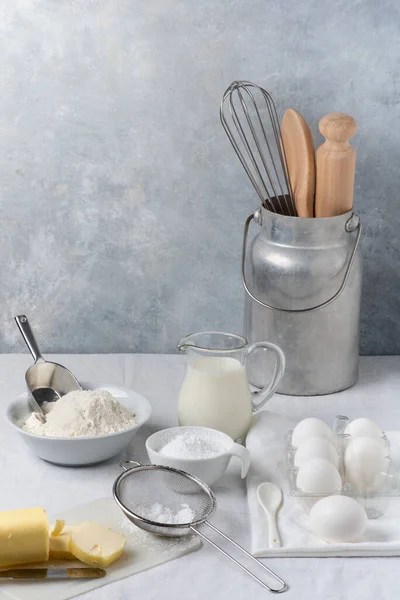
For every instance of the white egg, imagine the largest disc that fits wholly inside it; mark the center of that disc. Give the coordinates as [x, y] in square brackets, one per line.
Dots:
[364, 460]
[364, 428]
[310, 427]
[338, 519]
[316, 447]
[318, 476]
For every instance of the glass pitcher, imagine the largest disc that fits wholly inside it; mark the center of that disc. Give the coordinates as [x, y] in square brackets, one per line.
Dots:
[215, 392]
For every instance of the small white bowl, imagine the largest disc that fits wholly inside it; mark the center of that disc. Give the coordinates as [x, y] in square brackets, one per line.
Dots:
[85, 450]
[208, 470]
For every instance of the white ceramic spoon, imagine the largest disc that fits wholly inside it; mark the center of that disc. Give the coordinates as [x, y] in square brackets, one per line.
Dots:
[269, 496]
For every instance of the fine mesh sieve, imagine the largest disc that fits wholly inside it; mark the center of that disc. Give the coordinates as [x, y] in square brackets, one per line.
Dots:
[151, 495]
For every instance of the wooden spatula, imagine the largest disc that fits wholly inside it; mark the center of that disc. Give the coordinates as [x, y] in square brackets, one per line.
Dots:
[299, 150]
[335, 165]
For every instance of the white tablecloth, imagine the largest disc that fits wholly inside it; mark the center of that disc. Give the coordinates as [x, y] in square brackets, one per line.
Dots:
[28, 481]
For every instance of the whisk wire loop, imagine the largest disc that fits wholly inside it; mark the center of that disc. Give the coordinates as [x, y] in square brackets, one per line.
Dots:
[258, 143]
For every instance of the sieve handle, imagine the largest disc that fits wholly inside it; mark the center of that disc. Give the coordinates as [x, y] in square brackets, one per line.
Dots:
[238, 564]
[126, 465]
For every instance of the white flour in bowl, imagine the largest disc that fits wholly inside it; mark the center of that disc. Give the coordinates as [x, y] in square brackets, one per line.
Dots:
[82, 413]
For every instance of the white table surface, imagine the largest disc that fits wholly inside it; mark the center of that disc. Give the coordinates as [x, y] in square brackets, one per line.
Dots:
[29, 481]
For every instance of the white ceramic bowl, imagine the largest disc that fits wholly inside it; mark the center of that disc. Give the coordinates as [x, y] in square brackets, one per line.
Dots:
[86, 450]
[208, 470]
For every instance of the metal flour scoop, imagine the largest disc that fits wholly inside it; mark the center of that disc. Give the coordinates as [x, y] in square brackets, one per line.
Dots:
[47, 381]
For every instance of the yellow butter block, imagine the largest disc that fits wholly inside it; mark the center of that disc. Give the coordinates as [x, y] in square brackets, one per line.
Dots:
[59, 545]
[24, 536]
[95, 544]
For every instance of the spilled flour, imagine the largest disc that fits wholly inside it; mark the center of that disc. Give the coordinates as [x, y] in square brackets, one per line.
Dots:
[156, 544]
[82, 413]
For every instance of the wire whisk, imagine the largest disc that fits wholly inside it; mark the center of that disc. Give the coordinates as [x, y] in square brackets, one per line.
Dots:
[249, 117]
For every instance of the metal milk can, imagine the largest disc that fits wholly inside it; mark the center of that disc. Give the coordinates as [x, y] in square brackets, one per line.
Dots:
[302, 280]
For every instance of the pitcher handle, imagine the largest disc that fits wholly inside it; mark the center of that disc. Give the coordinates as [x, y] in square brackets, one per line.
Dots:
[260, 397]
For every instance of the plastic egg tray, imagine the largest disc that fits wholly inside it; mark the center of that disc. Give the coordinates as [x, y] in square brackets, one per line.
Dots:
[374, 498]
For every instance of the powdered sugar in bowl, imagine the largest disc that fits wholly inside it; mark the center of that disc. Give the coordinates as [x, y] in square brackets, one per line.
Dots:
[63, 447]
[200, 451]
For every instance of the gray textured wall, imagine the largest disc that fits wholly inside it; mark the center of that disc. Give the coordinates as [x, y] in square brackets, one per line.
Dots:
[122, 204]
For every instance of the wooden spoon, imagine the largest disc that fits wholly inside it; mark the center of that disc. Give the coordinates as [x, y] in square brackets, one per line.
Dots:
[299, 150]
[336, 164]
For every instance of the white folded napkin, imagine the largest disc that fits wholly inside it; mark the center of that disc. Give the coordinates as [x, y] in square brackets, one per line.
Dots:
[265, 442]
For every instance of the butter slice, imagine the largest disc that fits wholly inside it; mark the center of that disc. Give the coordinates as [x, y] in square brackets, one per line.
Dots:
[24, 536]
[95, 544]
[59, 545]
[58, 527]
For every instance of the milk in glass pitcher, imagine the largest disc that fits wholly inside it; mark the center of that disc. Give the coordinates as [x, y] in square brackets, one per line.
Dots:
[215, 392]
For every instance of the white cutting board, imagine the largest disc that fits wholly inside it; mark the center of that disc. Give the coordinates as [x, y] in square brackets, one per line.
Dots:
[142, 551]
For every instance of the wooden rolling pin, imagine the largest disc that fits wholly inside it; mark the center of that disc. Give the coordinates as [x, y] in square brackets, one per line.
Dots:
[335, 166]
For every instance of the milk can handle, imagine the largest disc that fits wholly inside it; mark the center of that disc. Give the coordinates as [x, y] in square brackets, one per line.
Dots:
[352, 224]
